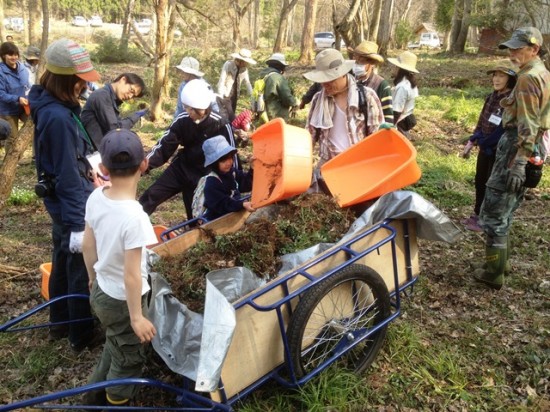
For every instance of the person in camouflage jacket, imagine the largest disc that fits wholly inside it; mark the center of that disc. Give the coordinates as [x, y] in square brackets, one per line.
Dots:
[525, 118]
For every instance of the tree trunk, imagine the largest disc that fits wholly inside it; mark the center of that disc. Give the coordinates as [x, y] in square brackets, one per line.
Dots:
[128, 12]
[286, 8]
[11, 160]
[45, 38]
[375, 21]
[384, 29]
[236, 18]
[2, 34]
[256, 35]
[460, 25]
[347, 28]
[306, 46]
[35, 18]
[164, 9]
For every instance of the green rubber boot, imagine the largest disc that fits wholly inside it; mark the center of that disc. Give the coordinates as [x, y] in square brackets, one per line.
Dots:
[507, 266]
[496, 254]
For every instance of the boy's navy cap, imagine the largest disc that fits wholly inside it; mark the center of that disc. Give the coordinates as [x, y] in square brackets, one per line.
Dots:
[121, 141]
[524, 36]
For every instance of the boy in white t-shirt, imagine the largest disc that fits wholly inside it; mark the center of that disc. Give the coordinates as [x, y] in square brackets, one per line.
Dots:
[116, 234]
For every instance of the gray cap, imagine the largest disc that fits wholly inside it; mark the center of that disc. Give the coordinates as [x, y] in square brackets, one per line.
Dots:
[5, 129]
[215, 148]
[32, 53]
[120, 141]
[524, 36]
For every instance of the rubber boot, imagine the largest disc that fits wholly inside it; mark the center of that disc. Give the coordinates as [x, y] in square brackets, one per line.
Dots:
[495, 261]
[507, 265]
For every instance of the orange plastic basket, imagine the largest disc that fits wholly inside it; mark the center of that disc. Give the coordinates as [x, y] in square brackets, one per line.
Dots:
[381, 163]
[283, 162]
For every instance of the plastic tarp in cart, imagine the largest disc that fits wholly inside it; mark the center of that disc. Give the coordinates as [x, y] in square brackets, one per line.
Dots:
[195, 346]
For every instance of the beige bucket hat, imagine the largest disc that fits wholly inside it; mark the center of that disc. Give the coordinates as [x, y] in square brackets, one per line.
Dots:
[277, 57]
[245, 55]
[190, 65]
[368, 49]
[329, 65]
[406, 60]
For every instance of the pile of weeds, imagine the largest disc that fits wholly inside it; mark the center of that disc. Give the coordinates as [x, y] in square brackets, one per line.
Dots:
[295, 225]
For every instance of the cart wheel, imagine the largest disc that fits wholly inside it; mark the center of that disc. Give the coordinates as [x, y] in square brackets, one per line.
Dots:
[334, 315]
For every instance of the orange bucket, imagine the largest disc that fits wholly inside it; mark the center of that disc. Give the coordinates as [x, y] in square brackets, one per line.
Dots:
[158, 231]
[283, 162]
[45, 269]
[381, 163]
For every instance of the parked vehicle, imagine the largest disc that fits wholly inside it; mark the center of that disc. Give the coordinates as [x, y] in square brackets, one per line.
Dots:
[325, 39]
[430, 39]
[144, 26]
[96, 21]
[17, 24]
[80, 21]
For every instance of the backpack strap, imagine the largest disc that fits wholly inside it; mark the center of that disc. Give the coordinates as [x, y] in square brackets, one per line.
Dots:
[363, 105]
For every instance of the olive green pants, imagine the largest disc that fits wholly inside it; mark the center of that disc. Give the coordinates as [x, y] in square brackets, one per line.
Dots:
[123, 355]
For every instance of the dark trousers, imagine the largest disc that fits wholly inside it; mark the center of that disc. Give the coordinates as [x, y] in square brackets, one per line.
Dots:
[484, 165]
[175, 179]
[69, 276]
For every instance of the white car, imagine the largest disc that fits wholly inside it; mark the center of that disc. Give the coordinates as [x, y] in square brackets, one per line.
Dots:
[96, 21]
[80, 21]
[17, 24]
[325, 39]
[144, 26]
[429, 39]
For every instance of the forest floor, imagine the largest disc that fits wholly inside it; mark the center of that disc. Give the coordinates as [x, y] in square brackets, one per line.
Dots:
[457, 346]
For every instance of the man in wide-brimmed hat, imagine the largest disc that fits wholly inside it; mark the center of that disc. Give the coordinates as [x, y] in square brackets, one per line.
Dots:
[343, 113]
[234, 73]
[367, 60]
[520, 151]
[277, 93]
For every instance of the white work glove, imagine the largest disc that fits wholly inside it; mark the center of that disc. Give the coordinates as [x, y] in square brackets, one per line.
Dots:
[75, 244]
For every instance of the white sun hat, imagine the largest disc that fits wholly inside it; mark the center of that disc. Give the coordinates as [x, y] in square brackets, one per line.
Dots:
[197, 94]
[190, 65]
[245, 55]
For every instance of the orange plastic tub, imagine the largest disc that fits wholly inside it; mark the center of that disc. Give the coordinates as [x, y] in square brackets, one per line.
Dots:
[45, 269]
[381, 163]
[283, 162]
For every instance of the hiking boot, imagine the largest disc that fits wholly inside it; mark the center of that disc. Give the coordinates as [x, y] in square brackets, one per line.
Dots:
[97, 338]
[58, 332]
[94, 398]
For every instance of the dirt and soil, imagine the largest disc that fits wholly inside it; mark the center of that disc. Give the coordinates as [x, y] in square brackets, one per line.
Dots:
[446, 306]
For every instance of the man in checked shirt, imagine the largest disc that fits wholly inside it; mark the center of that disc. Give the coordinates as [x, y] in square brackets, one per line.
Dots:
[526, 117]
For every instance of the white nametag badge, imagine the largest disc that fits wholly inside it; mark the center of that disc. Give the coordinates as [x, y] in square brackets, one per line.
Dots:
[95, 159]
[495, 119]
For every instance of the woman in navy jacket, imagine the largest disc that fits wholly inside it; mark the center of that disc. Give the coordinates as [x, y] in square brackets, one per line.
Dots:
[14, 87]
[65, 182]
[486, 136]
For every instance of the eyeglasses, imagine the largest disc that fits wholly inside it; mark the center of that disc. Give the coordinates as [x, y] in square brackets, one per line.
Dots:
[133, 90]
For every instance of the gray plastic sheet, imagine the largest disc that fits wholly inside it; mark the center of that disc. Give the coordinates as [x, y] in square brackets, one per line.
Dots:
[431, 223]
[195, 346]
[189, 343]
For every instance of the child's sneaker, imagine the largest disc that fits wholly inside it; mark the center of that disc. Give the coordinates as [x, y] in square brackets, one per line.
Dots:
[469, 220]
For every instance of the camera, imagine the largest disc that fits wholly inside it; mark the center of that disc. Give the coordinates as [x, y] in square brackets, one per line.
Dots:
[44, 188]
